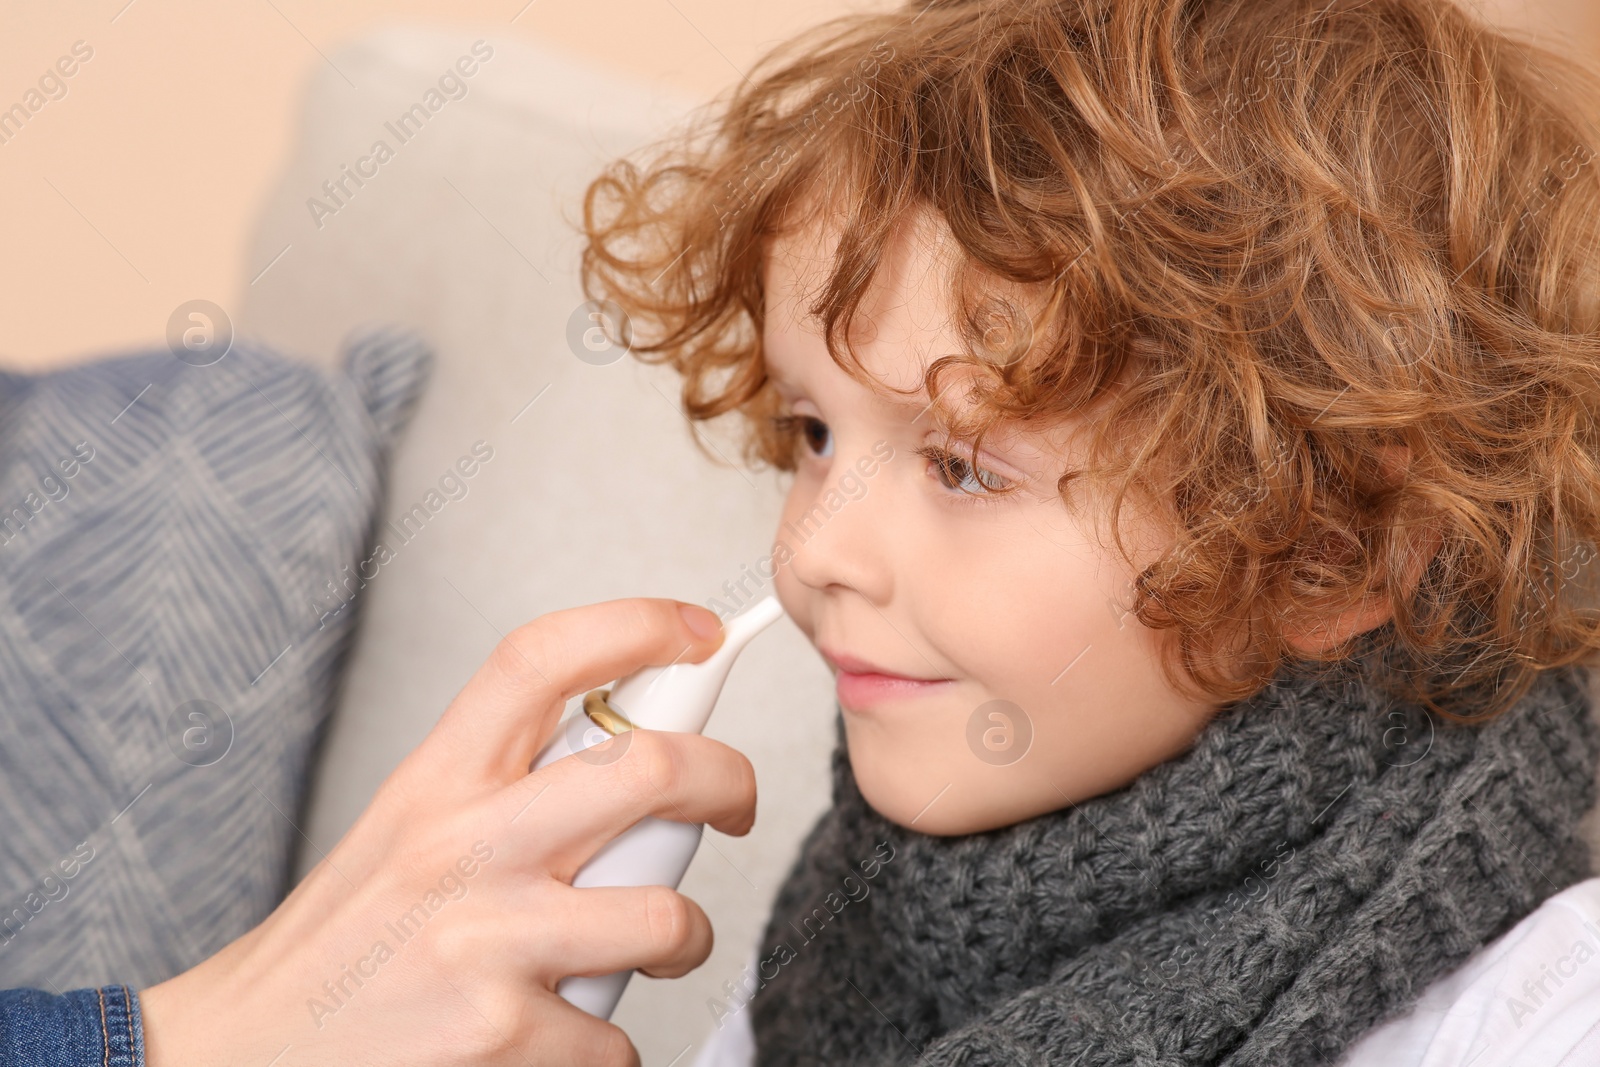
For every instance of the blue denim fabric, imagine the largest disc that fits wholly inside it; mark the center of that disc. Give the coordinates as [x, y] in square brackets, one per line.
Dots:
[82, 1028]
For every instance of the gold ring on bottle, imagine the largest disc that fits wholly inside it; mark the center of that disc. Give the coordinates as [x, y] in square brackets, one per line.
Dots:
[603, 714]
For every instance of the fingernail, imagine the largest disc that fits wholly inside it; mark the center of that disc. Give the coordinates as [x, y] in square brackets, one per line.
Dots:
[703, 623]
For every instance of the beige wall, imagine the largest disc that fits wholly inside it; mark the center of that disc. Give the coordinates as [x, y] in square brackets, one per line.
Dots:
[136, 191]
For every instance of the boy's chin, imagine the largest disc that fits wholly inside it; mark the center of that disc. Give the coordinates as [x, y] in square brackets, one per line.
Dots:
[935, 797]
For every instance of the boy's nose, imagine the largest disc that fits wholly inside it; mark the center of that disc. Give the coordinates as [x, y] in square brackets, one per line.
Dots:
[845, 541]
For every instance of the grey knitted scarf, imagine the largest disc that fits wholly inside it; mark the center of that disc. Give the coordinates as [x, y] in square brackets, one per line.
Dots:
[1302, 873]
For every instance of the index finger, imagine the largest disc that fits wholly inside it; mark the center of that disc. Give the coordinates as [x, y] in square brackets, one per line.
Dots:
[682, 777]
[504, 712]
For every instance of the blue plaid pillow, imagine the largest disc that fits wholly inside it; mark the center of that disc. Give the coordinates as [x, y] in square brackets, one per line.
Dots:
[168, 536]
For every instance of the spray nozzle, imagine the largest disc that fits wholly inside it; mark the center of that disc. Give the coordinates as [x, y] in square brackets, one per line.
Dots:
[679, 696]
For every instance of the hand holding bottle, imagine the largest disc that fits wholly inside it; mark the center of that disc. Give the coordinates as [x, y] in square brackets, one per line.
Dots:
[436, 930]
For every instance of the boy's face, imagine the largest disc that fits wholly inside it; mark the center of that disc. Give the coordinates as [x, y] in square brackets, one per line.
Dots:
[1033, 687]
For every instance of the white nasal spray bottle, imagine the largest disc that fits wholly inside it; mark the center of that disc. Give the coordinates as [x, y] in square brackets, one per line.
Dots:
[652, 851]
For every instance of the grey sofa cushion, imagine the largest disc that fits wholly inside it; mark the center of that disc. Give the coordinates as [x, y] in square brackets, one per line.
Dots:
[176, 545]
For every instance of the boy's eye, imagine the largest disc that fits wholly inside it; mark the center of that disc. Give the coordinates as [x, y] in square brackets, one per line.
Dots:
[818, 438]
[958, 473]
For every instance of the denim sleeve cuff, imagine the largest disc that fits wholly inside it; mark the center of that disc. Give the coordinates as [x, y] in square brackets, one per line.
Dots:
[82, 1028]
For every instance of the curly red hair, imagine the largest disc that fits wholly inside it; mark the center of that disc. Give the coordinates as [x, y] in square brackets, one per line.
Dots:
[1287, 243]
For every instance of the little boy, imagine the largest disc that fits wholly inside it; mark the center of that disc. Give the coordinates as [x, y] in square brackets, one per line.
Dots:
[1212, 637]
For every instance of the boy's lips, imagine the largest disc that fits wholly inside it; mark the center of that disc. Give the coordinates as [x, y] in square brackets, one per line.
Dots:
[861, 684]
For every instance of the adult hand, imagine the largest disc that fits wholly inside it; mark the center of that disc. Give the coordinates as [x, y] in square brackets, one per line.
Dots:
[436, 930]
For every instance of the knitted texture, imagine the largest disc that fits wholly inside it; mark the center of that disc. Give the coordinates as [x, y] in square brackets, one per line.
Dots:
[171, 644]
[1300, 874]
